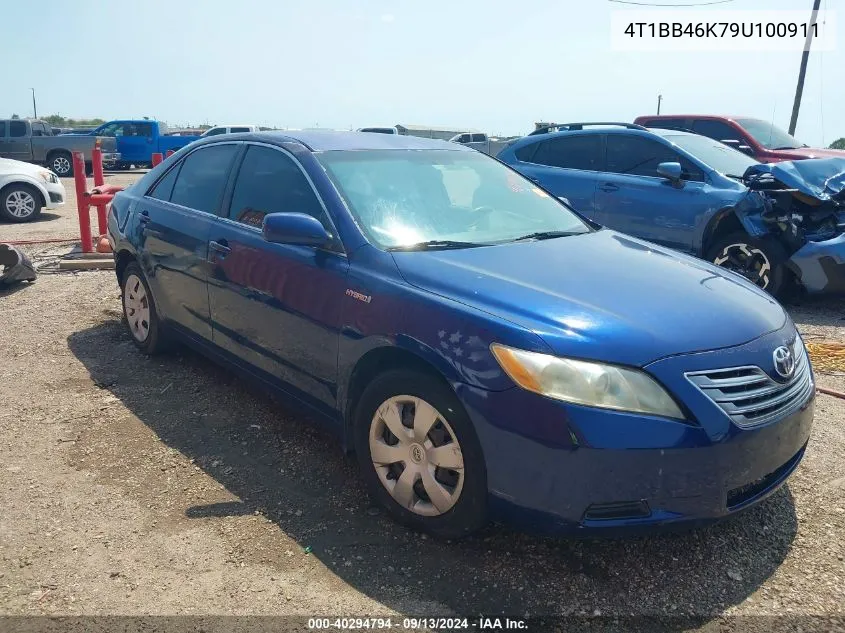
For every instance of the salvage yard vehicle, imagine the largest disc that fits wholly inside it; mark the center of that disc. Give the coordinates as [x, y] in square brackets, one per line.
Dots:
[484, 350]
[32, 140]
[760, 139]
[27, 189]
[699, 196]
[138, 139]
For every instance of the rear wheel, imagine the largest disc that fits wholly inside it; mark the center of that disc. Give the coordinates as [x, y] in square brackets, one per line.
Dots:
[20, 203]
[759, 261]
[419, 455]
[139, 311]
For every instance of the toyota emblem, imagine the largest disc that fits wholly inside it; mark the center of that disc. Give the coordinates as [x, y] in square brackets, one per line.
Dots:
[784, 362]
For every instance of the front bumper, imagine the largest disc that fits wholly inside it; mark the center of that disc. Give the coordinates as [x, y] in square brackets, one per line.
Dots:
[820, 266]
[56, 195]
[557, 467]
[111, 156]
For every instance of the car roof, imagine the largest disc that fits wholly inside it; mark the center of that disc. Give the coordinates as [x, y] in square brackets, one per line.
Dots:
[324, 140]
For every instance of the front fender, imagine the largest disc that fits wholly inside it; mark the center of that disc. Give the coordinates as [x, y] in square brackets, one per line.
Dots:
[27, 180]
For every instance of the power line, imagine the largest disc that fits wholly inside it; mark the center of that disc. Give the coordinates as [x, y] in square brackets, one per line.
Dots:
[652, 4]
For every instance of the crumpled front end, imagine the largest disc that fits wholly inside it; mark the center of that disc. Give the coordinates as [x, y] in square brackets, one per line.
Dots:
[802, 205]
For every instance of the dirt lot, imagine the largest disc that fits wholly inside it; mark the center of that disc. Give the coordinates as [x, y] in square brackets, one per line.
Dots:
[131, 485]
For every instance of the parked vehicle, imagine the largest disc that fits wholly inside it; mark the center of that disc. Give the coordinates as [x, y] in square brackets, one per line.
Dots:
[27, 189]
[759, 139]
[484, 350]
[138, 139]
[481, 142]
[696, 195]
[32, 140]
[230, 129]
[379, 130]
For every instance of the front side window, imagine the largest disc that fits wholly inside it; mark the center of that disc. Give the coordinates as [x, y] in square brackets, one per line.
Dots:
[402, 198]
[479, 138]
[202, 177]
[768, 135]
[112, 129]
[639, 156]
[215, 131]
[17, 129]
[269, 181]
[2, 129]
[235, 130]
[578, 151]
[717, 155]
[717, 130]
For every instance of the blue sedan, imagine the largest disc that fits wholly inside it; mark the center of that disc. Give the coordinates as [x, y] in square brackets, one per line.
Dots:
[448, 320]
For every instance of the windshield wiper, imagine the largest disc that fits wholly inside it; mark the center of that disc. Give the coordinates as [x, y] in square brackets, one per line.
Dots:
[787, 147]
[548, 235]
[432, 245]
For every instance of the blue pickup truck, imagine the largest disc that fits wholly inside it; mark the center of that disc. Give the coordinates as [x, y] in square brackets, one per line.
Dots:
[138, 139]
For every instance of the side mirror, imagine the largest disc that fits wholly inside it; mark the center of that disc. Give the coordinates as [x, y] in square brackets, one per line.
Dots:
[670, 171]
[294, 228]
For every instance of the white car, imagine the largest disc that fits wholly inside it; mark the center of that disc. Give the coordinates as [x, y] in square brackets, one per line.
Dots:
[230, 129]
[26, 189]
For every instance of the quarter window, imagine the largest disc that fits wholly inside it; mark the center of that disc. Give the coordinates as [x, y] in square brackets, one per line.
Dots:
[269, 181]
[164, 187]
[203, 177]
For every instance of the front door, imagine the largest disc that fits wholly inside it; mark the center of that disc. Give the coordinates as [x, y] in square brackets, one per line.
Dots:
[632, 198]
[175, 220]
[277, 306]
[136, 143]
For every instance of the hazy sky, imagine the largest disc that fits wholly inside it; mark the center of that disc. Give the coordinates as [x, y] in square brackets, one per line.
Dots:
[496, 65]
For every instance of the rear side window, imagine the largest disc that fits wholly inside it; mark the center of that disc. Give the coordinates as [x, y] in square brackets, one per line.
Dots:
[269, 181]
[164, 187]
[2, 129]
[479, 138]
[526, 152]
[215, 131]
[234, 130]
[667, 124]
[582, 151]
[716, 130]
[201, 180]
[138, 129]
[639, 156]
[17, 128]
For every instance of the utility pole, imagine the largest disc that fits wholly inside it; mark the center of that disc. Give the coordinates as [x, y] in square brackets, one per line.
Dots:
[805, 55]
[34, 109]
[659, 99]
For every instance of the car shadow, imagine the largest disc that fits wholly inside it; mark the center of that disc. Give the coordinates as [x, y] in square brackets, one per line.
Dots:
[7, 290]
[276, 463]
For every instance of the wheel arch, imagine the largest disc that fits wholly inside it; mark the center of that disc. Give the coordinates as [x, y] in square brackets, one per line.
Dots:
[375, 362]
[27, 182]
[723, 222]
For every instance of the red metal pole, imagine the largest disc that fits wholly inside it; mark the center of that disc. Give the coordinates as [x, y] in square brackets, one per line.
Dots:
[169, 153]
[82, 202]
[99, 180]
[157, 158]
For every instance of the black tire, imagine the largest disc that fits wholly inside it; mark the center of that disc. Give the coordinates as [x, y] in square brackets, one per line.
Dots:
[154, 342]
[61, 164]
[469, 512]
[18, 194]
[761, 261]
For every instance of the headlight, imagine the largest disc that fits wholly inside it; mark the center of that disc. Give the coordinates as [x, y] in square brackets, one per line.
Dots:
[46, 176]
[588, 383]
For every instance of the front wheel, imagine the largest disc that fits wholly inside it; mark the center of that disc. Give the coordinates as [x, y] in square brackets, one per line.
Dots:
[20, 203]
[759, 261]
[419, 454]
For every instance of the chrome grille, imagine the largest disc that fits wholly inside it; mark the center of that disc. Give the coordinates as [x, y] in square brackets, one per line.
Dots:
[750, 396]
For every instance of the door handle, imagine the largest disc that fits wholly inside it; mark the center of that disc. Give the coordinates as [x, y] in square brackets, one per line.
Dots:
[220, 247]
[144, 218]
[609, 186]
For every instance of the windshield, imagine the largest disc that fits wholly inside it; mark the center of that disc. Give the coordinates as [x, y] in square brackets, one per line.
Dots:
[406, 197]
[768, 135]
[719, 156]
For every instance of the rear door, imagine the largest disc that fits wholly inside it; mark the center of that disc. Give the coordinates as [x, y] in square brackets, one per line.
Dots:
[136, 142]
[567, 165]
[18, 144]
[277, 306]
[175, 220]
[633, 198]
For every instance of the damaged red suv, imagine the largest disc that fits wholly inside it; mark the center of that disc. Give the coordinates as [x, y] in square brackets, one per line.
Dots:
[759, 139]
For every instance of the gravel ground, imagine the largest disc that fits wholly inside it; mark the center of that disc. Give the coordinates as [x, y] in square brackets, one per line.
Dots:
[131, 485]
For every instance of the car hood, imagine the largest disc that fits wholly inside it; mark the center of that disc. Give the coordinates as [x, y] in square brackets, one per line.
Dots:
[809, 153]
[601, 295]
[820, 178]
[10, 166]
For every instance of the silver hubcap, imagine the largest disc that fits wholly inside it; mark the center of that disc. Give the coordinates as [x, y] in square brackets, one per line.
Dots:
[20, 204]
[61, 165]
[748, 261]
[137, 308]
[416, 455]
